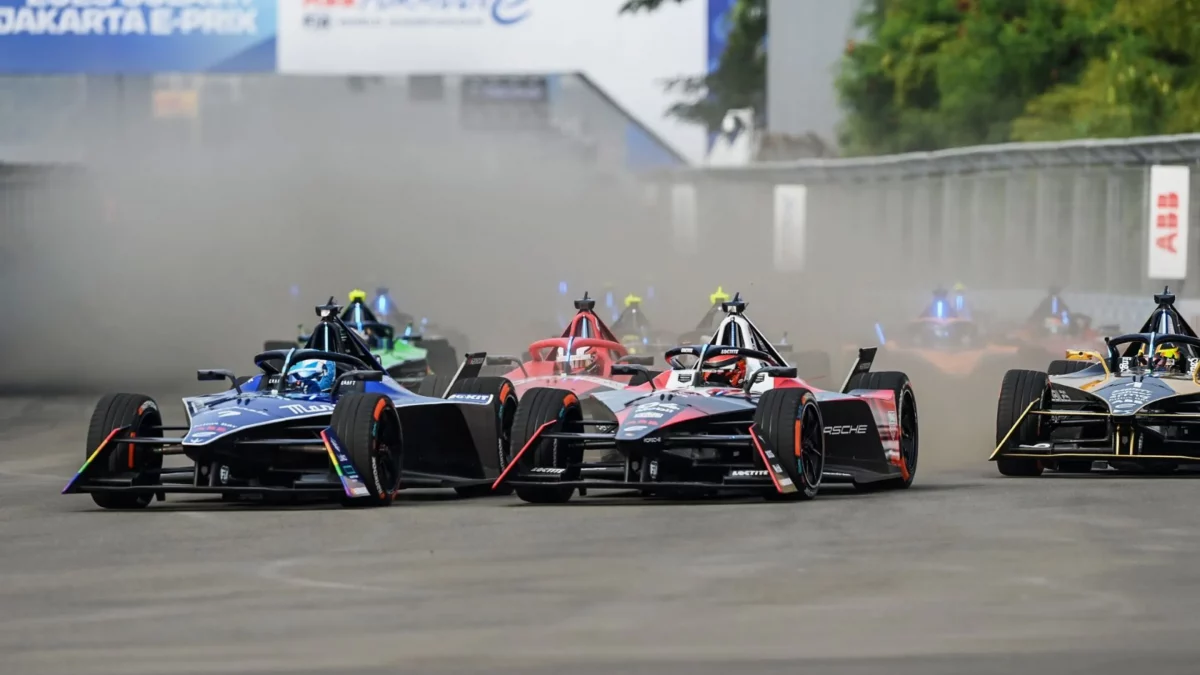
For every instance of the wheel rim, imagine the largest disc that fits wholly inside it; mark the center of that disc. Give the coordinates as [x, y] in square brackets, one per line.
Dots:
[908, 431]
[386, 451]
[812, 445]
[508, 411]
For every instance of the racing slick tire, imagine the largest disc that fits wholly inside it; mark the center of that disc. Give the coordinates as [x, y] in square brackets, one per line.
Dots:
[541, 406]
[140, 413]
[906, 417]
[1018, 389]
[1066, 367]
[504, 402]
[789, 420]
[369, 429]
[440, 356]
[434, 386]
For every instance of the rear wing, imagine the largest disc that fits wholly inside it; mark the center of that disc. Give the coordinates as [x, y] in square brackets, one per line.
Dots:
[471, 366]
[862, 366]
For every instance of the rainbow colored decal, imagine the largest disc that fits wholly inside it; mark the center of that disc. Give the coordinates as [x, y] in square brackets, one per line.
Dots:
[91, 458]
[351, 483]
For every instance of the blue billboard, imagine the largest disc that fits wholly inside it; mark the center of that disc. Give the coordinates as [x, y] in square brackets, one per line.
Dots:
[137, 36]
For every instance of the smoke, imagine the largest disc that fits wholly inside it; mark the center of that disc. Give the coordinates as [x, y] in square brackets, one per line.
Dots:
[159, 258]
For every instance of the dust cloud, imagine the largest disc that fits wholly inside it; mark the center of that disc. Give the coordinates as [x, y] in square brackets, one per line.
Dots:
[159, 258]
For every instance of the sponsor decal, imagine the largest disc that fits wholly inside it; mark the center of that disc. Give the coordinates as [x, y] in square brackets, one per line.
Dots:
[215, 428]
[748, 473]
[846, 430]
[473, 398]
[641, 415]
[547, 469]
[654, 468]
[368, 14]
[203, 434]
[657, 407]
[1128, 397]
[302, 409]
[652, 439]
[636, 427]
[229, 413]
[1059, 395]
[224, 475]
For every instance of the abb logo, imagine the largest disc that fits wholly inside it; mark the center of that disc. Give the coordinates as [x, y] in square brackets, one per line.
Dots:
[1166, 224]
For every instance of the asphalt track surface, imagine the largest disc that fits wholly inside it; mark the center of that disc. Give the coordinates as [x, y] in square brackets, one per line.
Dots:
[967, 572]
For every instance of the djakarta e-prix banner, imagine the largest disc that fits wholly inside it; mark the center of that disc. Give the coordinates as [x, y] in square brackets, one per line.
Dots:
[630, 58]
[137, 36]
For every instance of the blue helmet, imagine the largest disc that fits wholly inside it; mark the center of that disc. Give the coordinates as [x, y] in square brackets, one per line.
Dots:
[318, 375]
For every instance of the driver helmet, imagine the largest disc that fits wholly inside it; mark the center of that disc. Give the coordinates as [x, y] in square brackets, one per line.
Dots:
[728, 370]
[315, 376]
[1165, 357]
[582, 362]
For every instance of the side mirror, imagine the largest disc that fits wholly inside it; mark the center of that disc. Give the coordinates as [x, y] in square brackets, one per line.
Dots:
[767, 371]
[621, 369]
[636, 360]
[215, 374]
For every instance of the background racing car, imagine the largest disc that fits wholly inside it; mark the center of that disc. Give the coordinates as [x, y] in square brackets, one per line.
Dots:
[1135, 406]
[736, 418]
[400, 355]
[327, 421]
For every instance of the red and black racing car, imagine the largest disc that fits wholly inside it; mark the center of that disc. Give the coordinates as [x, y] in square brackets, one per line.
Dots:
[736, 418]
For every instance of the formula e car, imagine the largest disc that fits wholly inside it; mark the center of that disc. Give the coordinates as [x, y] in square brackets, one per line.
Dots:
[637, 333]
[946, 340]
[399, 355]
[328, 421]
[735, 419]
[580, 360]
[1053, 328]
[1135, 406]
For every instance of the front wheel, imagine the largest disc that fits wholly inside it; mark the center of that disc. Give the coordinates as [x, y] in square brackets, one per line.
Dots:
[553, 410]
[790, 422]
[1020, 390]
[370, 431]
[141, 415]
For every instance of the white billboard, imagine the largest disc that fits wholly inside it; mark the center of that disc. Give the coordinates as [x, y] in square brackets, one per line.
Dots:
[684, 226]
[628, 56]
[1168, 224]
[791, 219]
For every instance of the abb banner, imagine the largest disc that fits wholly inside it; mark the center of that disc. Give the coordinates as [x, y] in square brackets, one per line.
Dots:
[1169, 189]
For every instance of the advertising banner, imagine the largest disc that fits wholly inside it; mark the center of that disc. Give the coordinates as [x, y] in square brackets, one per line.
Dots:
[1168, 224]
[137, 36]
[791, 219]
[629, 57]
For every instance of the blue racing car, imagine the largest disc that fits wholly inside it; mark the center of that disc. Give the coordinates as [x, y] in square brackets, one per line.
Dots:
[322, 420]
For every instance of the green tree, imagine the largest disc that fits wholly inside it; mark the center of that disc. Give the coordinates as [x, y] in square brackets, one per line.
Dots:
[943, 73]
[739, 80]
[1145, 79]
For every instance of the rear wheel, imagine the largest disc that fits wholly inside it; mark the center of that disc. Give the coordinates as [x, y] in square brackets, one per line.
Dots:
[1019, 389]
[434, 386]
[556, 410]
[906, 419]
[369, 429]
[140, 413]
[789, 420]
[1066, 367]
[504, 403]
